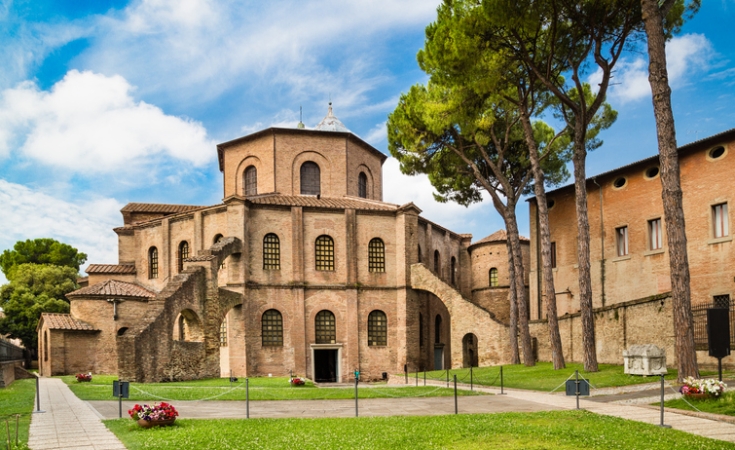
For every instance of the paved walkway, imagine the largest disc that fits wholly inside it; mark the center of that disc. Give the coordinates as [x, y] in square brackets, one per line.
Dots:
[70, 423]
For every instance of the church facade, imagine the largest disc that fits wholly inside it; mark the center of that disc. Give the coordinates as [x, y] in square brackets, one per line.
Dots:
[301, 269]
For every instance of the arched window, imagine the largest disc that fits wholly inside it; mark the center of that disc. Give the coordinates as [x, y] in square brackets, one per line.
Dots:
[310, 179]
[218, 237]
[453, 268]
[153, 262]
[272, 331]
[251, 181]
[271, 252]
[421, 330]
[420, 253]
[122, 331]
[493, 277]
[223, 333]
[325, 327]
[362, 185]
[324, 253]
[437, 263]
[377, 328]
[182, 326]
[438, 329]
[376, 255]
[183, 254]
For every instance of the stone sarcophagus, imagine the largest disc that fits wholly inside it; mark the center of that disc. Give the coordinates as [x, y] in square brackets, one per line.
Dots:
[646, 359]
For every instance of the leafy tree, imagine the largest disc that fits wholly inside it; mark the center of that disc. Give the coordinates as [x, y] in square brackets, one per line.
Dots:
[41, 251]
[661, 18]
[33, 289]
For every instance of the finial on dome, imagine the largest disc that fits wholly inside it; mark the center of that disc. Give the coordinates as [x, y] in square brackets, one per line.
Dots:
[301, 118]
[331, 122]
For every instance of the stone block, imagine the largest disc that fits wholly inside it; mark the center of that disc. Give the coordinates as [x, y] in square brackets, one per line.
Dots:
[646, 359]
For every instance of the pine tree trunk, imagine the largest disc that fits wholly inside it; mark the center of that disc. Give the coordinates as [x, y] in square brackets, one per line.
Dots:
[544, 237]
[515, 357]
[521, 297]
[671, 191]
[589, 352]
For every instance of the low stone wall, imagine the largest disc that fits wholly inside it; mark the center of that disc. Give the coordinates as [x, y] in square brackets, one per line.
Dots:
[8, 372]
[644, 321]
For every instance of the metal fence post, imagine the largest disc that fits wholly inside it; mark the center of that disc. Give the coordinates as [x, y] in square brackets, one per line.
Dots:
[38, 396]
[501, 381]
[455, 394]
[417, 378]
[247, 398]
[471, 384]
[424, 377]
[662, 404]
[447, 377]
[356, 380]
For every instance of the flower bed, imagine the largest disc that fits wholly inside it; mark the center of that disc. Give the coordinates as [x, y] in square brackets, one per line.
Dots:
[701, 388]
[158, 414]
[297, 381]
[81, 377]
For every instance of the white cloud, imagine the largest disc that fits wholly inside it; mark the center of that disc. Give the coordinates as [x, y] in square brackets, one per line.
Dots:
[86, 225]
[90, 122]
[480, 219]
[686, 56]
[200, 48]
[377, 135]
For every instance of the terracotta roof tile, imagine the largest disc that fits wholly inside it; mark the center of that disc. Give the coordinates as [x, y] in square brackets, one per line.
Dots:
[113, 288]
[158, 208]
[56, 321]
[323, 202]
[200, 258]
[498, 236]
[111, 268]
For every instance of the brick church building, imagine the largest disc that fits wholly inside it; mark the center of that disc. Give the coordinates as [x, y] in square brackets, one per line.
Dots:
[301, 269]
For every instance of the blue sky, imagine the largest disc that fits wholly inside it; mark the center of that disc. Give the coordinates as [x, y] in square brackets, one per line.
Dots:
[108, 102]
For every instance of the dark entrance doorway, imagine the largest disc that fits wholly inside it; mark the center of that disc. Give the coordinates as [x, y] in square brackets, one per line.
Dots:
[325, 366]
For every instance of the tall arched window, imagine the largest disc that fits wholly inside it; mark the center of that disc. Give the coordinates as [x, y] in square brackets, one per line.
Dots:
[377, 328]
[325, 327]
[310, 179]
[183, 254]
[153, 262]
[376, 255]
[453, 268]
[251, 181]
[324, 253]
[223, 333]
[271, 252]
[420, 253]
[493, 277]
[362, 185]
[438, 329]
[182, 327]
[272, 329]
[437, 263]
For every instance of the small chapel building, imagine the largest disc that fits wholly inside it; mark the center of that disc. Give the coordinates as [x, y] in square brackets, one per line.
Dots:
[303, 269]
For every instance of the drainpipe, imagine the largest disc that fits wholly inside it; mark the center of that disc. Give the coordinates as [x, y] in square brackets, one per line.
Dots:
[602, 245]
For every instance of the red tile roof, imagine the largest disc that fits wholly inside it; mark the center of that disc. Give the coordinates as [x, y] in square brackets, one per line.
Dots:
[113, 288]
[111, 268]
[323, 202]
[498, 236]
[158, 208]
[56, 321]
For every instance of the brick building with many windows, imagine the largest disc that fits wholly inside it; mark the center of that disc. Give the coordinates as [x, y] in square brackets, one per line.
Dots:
[301, 269]
[629, 254]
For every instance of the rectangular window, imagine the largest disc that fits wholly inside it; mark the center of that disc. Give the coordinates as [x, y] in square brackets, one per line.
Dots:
[621, 237]
[553, 255]
[719, 220]
[655, 241]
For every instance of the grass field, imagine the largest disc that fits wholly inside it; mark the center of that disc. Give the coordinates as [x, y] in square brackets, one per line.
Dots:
[17, 399]
[277, 388]
[724, 405]
[559, 430]
[543, 377]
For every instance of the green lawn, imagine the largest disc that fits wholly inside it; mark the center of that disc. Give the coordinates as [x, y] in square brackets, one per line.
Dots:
[559, 430]
[724, 405]
[276, 388]
[17, 399]
[543, 377]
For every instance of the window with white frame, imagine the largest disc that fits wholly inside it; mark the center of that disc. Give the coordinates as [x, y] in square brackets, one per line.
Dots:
[655, 235]
[621, 238]
[720, 220]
